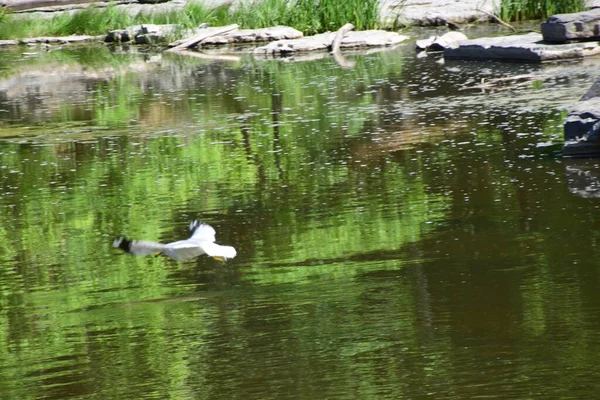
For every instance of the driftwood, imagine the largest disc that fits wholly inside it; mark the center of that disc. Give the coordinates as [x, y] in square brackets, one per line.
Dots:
[339, 36]
[497, 19]
[335, 47]
[206, 33]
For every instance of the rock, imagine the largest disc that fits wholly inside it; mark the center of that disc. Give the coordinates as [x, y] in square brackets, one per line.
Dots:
[255, 35]
[200, 35]
[323, 41]
[436, 12]
[583, 120]
[59, 39]
[561, 28]
[439, 43]
[592, 92]
[311, 43]
[119, 36]
[528, 47]
[423, 44]
[371, 38]
[152, 1]
[582, 127]
[141, 34]
[8, 42]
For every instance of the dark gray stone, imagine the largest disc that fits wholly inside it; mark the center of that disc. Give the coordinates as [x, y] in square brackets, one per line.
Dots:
[582, 121]
[529, 47]
[582, 127]
[119, 36]
[562, 28]
[141, 34]
[594, 91]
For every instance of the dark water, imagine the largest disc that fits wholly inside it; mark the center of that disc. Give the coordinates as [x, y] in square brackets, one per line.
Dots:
[398, 237]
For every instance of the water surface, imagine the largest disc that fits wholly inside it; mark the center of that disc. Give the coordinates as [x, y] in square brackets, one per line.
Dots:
[401, 233]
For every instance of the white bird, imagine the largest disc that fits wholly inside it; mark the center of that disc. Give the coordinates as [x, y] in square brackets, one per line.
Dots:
[201, 242]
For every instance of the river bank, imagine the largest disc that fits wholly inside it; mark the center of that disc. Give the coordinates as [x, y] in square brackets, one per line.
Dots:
[393, 12]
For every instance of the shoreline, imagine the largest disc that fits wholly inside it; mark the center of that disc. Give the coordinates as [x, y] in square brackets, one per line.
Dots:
[409, 13]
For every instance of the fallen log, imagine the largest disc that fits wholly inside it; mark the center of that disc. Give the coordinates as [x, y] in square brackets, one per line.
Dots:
[206, 33]
[497, 19]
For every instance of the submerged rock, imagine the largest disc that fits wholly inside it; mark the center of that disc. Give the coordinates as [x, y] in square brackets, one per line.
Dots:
[528, 47]
[582, 128]
[561, 28]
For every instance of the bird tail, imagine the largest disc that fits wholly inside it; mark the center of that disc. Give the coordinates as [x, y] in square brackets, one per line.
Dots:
[216, 250]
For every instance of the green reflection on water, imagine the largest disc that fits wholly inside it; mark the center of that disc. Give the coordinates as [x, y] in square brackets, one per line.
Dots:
[389, 245]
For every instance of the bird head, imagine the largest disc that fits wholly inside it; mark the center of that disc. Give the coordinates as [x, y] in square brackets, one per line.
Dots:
[122, 243]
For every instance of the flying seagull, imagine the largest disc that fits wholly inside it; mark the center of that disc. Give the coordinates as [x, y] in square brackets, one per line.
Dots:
[201, 242]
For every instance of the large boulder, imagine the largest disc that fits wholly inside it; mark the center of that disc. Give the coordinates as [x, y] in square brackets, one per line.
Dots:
[582, 128]
[562, 28]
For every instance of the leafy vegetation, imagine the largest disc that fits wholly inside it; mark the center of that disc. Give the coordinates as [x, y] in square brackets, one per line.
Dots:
[519, 10]
[309, 16]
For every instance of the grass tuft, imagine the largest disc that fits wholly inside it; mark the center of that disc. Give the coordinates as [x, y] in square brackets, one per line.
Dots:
[308, 16]
[519, 10]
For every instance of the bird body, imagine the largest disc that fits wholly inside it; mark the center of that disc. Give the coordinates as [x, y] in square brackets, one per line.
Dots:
[201, 241]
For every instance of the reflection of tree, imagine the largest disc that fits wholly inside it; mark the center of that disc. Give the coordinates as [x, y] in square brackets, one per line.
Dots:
[380, 258]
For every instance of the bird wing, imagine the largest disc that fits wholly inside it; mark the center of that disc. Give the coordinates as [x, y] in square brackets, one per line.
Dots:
[201, 242]
[202, 231]
[216, 250]
[183, 250]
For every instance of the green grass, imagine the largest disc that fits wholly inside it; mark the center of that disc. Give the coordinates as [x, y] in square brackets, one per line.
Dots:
[519, 10]
[309, 16]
